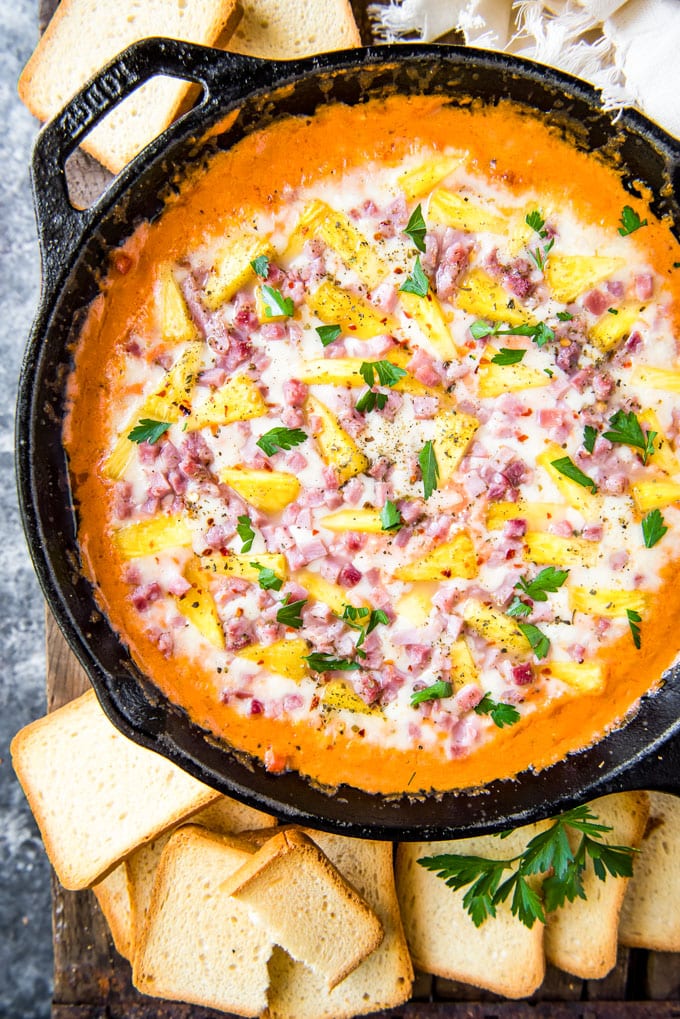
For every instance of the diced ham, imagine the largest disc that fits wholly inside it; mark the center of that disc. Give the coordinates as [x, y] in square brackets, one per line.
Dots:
[273, 331]
[467, 698]
[385, 297]
[148, 452]
[295, 392]
[212, 377]
[425, 368]
[593, 532]
[349, 575]
[616, 288]
[596, 302]
[603, 385]
[145, 595]
[515, 528]
[122, 500]
[425, 407]
[522, 674]
[644, 286]
[452, 264]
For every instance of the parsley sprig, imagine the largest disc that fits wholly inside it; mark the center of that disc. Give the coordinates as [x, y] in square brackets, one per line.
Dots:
[535, 220]
[442, 688]
[429, 467]
[417, 282]
[540, 333]
[507, 355]
[589, 438]
[565, 465]
[319, 661]
[634, 619]
[280, 438]
[540, 644]
[390, 517]
[328, 334]
[266, 578]
[388, 375]
[626, 429]
[245, 531]
[364, 620]
[653, 528]
[544, 876]
[148, 431]
[546, 582]
[290, 613]
[416, 229]
[260, 266]
[630, 221]
[501, 714]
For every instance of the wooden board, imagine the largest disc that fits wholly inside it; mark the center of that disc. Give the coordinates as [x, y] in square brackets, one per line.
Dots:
[91, 981]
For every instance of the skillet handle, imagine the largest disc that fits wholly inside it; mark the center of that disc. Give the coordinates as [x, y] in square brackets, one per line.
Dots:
[61, 227]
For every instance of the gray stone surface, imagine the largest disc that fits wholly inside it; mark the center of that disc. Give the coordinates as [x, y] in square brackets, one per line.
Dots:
[25, 941]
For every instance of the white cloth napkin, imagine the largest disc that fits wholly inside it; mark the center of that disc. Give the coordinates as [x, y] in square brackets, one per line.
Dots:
[629, 49]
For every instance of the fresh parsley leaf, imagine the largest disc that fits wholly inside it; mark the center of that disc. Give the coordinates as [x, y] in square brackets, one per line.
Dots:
[480, 329]
[417, 282]
[267, 579]
[501, 713]
[319, 661]
[565, 465]
[539, 333]
[634, 618]
[549, 853]
[540, 644]
[517, 607]
[564, 316]
[280, 438]
[429, 467]
[508, 356]
[390, 517]
[245, 532]
[535, 220]
[540, 257]
[416, 229]
[290, 613]
[548, 580]
[328, 334]
[260, 266]
[388, 373]
[275, 303]
[432, 693]
[630, 221]
[542, 334]
[370, 400]
[653, 528]
[363, 619]
[589, 437]
[626, 429]
[148, 431]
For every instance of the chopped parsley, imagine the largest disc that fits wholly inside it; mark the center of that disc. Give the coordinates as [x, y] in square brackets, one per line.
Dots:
[390, 517]
[508, 356]
[565, 465]
[416, 229]
[431, 693]
[539, 333]
[245, 532]
[630, 221]
[589, 437]
[319, 661]
[564, 316]
[429, 467]
[626, 429]
[548, 580]
[535, 221]
[275, 303]
[260, 266]
[634, 618]
[517, 607]
[364, 620]
[328, 334]
[417, 282]
[653, 528]
[148, 431]
[280, 438]
[267, 579]
[501, 714]
[290, 612]
[388, 373]
[540, 644]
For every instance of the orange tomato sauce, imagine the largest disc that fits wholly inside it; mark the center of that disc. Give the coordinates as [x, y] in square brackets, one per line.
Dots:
[509, 146]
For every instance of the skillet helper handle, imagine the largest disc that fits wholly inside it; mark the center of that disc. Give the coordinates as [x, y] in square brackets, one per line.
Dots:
[60, 226]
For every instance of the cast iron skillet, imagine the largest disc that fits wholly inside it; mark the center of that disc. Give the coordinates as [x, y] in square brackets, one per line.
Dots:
[645, 753]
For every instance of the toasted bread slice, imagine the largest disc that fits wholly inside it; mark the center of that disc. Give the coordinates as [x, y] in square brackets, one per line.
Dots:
[502, 955]
[650, 917]
[95, 794]
[114, 897]
[81, 38]
[198, 944]
[384, 979]
[271, 28]
[296, 895]
[581, 936]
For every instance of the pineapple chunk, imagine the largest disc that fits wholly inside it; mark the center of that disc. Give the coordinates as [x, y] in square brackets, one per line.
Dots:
[175, 322]
[149, 537]
[663, 456]
[607, 603]
[649, 495]
[167, 403]
[609, 330]
[416, 605]
[336, 230]
[656, 378]
[268, 491]
[421, 180]
[232, 269]
[584, 677]
[453, 432]
[552, 550]
[365, 521]
[580, 498]
[570, 275]
[482, 297]
[456, 558]
[452, 210]
[198, 605]
[311, 218]
[338, 449]
[537, 514]
[237, 400]
[495, 379]
[354, 316]
[463, 668]
[428, 314]
[495, 627]
[238, 565]
[284, 657]
[333, 595]
[340, 696]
